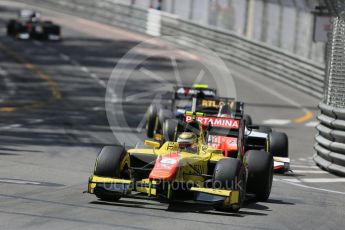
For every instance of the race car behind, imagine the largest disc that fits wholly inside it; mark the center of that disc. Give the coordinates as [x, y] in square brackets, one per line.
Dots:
[181, 101]
[29, 25]
[256, 137]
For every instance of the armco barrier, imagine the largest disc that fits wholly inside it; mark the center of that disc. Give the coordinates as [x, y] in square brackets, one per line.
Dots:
[330, 141]
[269, 61]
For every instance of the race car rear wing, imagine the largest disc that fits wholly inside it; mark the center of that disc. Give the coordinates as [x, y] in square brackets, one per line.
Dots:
[187, 93]
[214, 121]
[218, 106]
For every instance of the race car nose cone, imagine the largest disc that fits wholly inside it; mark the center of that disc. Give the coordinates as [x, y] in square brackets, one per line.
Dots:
[165, 168]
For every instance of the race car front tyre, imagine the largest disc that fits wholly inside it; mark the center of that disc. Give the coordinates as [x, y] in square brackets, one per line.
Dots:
[170, 127]
[248, 119]
[151, 116]
[110, 163]
[229, 173]
[260, 173]
[279, 144]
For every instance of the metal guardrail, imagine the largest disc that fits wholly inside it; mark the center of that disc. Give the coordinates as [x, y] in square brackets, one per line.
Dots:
[296, 71]
[330, 140]
[269, 61]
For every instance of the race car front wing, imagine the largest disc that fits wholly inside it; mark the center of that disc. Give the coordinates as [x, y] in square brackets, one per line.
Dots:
[149, 187]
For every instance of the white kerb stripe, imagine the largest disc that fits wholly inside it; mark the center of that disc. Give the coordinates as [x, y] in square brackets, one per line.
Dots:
[310, 171]
[317, 180]
[276, 122]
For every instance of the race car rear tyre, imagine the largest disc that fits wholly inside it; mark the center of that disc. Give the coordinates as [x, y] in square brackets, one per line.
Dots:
[11, 27]
[260, 173]
[229, 173]
[170, 127]
[163, 114]
[279, 144]
[109, 164]
[248, 119]
[151, 116]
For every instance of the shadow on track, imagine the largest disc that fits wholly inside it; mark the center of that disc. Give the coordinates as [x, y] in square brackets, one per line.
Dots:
[250, 208]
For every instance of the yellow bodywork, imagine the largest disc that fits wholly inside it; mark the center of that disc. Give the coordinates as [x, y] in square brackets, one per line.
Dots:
[195, 166]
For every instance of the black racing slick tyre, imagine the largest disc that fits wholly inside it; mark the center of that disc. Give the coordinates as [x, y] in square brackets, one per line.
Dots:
[248, 119]
[10, 30]
[151, 116]
[260, 173]
[163, 115]
[170, 127]
[229, 173]
[110, 163]
[279, 144]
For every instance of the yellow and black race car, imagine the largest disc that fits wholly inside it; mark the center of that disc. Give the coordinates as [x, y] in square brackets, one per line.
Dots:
[187, 169]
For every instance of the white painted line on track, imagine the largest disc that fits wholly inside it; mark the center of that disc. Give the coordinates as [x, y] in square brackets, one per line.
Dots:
[305, 166]
[65, 57]
[18, 182]
[123, 129]
[38, 43]
[94, 76]
[276, 122]
[3, 72]
[102, 83]
[293, 180]
[10, 85]
[36, 121]
[323, 180]
[310, 171]
[74, 62]
[316, 180]
[51, 49]
[302, 159]
[85, 69]
[298, 184]
[271, 91]
[97, 108]
[312, 124]
[141, 125]
[15, 126]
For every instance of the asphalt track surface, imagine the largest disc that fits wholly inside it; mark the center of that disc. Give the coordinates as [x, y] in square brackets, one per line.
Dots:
[53, 123]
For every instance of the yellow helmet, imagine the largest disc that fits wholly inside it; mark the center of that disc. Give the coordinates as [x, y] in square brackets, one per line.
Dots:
[200, 86]
[186, 139]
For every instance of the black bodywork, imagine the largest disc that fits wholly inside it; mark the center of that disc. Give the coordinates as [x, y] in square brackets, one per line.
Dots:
[32, 27]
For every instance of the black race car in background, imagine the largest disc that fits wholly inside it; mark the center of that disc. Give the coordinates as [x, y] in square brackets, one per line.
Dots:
[29, 25]
[181, 101]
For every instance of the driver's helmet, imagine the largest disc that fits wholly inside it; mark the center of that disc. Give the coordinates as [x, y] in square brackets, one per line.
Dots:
[187, 140]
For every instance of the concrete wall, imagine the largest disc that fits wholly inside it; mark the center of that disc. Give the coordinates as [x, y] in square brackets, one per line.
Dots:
[287, 24]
